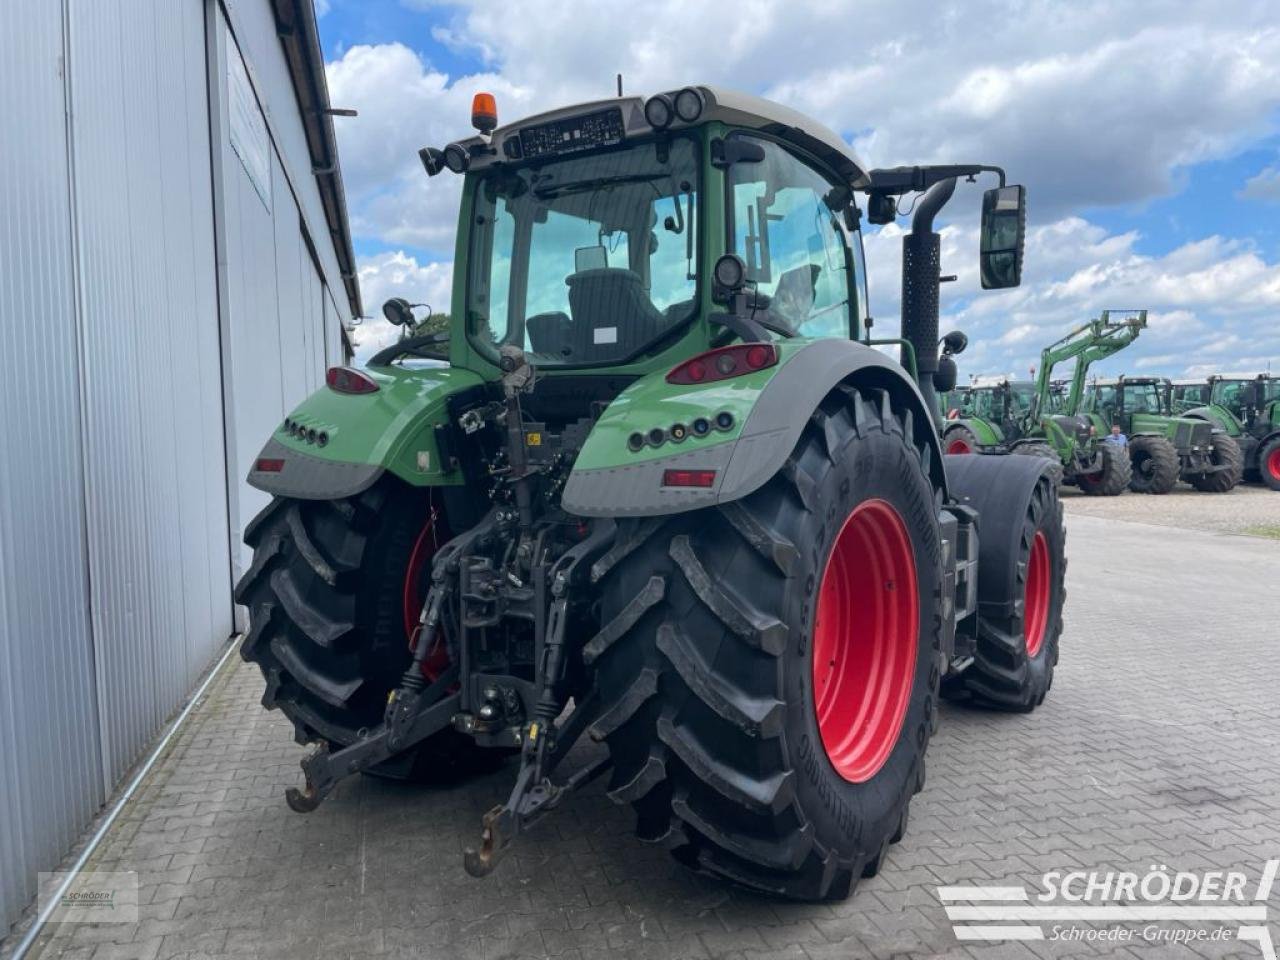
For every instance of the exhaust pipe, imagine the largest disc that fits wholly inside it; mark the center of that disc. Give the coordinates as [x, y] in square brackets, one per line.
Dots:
[921, 256]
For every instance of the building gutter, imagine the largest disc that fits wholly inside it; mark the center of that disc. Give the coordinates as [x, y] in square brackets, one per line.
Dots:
[300, 41]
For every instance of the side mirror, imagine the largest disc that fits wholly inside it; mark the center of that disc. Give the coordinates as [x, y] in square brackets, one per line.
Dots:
[954, 343]
[1249, 395]
[1004, 228]
[881, 209]
[398, 312]
[944, 378]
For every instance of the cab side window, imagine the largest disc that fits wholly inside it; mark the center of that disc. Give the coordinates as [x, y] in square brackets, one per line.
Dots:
[797, 253]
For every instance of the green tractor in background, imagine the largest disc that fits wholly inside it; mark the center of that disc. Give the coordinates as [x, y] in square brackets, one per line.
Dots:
[1040, 418]
[1164, 447]
[1245, 406]
[665, 494]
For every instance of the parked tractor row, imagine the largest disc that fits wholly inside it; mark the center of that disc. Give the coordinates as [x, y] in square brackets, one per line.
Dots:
[1141, 433]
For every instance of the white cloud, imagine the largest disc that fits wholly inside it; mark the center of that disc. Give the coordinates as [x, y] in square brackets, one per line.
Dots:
[1210, 296]
[396, 274]
[1264, 186]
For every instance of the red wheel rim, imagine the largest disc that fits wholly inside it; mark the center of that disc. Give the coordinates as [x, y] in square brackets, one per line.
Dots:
[1273, 463]
[864, 640]
[959, 446]
[1035, 608]
[414, 595]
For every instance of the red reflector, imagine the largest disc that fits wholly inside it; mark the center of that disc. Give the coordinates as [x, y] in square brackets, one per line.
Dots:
[688, 478]
[724, 362]
[346, 380]
[269, 465]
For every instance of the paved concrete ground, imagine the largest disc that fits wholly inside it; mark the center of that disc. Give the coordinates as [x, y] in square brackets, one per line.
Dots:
[1249, 508]
[1160, 744]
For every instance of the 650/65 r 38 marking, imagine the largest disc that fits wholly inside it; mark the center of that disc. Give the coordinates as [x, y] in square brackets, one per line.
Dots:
[769, 668]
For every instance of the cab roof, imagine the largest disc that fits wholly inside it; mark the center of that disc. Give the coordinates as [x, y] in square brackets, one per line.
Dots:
[1116, 381]
[719, 104]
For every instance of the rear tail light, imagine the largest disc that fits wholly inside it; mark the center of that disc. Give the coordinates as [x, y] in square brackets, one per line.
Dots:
[724, 362]
[688, 478]
[268, 465]
[347, 380]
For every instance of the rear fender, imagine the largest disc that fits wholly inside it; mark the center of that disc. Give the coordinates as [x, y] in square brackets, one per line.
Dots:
[769, 410]
[1000, 490]
[392, 430]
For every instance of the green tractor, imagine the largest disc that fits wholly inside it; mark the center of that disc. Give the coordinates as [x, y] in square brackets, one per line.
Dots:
[1040, 418]
[662, 496]
[1164, 447]
[1245, 406]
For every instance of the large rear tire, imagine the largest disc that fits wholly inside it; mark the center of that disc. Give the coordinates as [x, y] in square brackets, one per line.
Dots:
[769, 668]
[1226, 453]
[1045, 451]
[1018, 633]
[1113, 479]
[1269, 464]
[1154, 461]
[330, 594]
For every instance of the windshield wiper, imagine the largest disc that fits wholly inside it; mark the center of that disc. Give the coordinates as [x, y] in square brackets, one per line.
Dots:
[581, 186]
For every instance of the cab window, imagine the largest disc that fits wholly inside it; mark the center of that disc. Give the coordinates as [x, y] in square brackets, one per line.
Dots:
[799, 257]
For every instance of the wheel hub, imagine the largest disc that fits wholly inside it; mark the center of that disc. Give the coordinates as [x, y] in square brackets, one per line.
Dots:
[1035, 607]
[864, 640]
[1273, 463]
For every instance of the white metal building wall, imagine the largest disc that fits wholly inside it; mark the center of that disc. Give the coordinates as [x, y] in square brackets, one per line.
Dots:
[273, 291]
[154, 460]
[50, 764]
[162, 318]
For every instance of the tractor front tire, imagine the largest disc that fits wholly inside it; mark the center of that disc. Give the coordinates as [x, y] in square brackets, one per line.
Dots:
[1269, 464]
[960, 439]
[768, 669]
[1114, 477]
[1018, 633]
[329, 594]
[1225, 453]
[1154, 462]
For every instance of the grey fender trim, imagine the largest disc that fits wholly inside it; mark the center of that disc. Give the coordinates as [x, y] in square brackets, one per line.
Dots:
[768, 436]
[311, 478]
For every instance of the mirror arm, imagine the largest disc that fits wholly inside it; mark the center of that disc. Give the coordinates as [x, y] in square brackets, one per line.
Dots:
[899, 180]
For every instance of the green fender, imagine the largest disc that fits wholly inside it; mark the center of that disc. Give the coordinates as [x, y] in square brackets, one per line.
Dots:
[392, 429]
[1219, 416]
[768, 410]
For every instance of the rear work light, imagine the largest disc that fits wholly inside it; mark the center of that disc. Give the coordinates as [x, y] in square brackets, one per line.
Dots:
[688, 478]
[724, 362]
[346, 380]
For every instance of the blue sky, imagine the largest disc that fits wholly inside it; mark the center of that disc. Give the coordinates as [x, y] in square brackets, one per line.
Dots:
[1137, 128]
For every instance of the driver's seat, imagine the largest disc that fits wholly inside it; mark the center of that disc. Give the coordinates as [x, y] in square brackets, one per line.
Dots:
[612, 315]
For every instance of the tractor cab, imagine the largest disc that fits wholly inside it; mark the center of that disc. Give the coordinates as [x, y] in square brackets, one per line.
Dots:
[1003, 402]
[1249, 397]
[1128, 401]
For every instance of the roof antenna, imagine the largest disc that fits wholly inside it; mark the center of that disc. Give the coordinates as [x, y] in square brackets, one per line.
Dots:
[619, 85]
